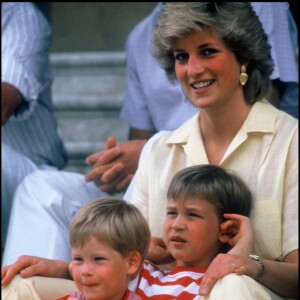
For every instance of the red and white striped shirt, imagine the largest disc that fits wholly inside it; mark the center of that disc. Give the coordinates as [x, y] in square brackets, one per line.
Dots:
[179, 283]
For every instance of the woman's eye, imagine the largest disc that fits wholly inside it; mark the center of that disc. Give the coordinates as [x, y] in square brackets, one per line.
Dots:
[181, 56]
[208, 51]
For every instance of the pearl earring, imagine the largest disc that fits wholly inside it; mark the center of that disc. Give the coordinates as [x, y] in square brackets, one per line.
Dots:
[243, 75]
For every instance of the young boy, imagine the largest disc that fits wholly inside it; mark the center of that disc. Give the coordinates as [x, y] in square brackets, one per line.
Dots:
[109, 241]
[200, 199]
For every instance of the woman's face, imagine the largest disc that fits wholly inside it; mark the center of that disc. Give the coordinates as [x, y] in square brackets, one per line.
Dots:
[207, 70]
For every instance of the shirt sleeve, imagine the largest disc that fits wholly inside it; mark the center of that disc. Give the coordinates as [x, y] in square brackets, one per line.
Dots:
[291, 200]
[279, 25]
[134, 108]
[26, 39]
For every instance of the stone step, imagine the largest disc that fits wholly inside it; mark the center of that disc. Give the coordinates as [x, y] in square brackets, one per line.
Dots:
[87, 97]
[91, 80]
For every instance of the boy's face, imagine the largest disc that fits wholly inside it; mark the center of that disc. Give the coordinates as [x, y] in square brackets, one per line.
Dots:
[191, 231]
[99, 271]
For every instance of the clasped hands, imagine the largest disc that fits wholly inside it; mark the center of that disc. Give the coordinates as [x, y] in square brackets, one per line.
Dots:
[115, 165]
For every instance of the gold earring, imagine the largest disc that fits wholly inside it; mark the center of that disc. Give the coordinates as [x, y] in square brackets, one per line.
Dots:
[243, 75]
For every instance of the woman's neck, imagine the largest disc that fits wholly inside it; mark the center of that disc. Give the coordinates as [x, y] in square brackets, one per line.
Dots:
[219, 127]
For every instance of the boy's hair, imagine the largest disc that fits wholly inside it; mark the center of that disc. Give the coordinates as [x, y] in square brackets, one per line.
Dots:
[224, 190]
[234, 22]
[113, 221]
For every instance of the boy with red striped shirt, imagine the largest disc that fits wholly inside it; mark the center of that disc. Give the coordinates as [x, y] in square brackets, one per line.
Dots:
[205, 215]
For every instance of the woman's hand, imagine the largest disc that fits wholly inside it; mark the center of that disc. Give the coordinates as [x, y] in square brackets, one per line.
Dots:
[114, 166]
[158, 253]
[237, 232]
[28, 266]
[225, 264]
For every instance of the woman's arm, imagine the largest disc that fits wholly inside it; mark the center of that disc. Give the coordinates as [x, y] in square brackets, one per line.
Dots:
[280, 277]
[28, 266]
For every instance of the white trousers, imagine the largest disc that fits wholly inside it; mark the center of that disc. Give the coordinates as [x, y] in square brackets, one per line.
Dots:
[37, 288]
[231, 287]
[236, 287]
[44, 204]
[14, 168]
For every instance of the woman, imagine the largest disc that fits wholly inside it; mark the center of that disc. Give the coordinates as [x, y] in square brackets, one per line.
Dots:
[220, 55]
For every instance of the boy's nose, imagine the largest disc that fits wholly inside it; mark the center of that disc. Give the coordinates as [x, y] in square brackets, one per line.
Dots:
[178, 223]
[87, 269]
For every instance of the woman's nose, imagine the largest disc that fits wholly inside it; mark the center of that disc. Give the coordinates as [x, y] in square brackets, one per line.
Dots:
[194, 66]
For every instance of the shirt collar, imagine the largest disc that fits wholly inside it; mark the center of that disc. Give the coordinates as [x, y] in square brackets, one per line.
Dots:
[261, 118]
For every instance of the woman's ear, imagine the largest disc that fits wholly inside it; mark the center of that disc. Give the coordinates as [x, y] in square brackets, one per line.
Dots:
[244, 62]
[134, 260]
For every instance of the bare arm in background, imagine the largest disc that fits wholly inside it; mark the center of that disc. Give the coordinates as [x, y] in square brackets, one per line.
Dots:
[11, 99]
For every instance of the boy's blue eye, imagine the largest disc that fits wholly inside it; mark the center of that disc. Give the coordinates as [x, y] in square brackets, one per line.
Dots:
[193, 215]
[99, 258]
[77, 259]
[171, 213]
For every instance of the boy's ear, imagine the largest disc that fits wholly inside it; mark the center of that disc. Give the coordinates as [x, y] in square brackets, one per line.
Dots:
[71, 269]
[134, 260]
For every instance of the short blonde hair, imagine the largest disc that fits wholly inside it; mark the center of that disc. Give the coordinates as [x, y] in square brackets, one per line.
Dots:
[113, 221]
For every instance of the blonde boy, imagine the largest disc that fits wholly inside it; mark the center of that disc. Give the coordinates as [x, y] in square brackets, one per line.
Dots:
[109, 241]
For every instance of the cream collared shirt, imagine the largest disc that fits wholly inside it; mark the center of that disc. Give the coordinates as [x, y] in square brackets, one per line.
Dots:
[264, 153]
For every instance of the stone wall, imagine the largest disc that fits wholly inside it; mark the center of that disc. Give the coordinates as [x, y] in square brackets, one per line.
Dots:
[87, 97]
